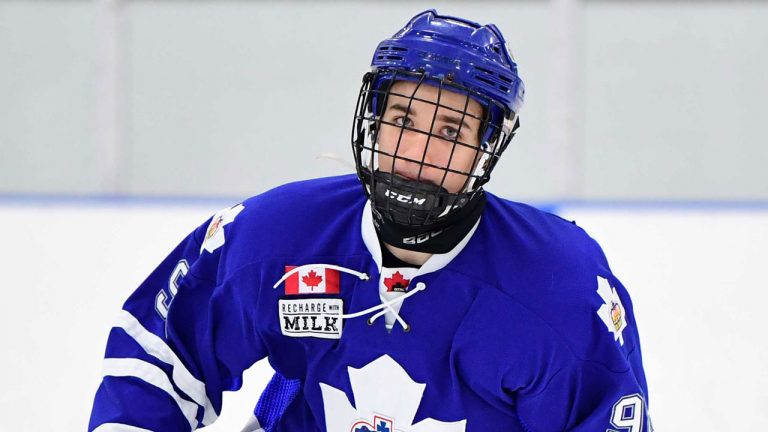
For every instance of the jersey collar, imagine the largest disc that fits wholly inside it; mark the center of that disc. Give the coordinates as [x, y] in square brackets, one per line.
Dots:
[434, 263]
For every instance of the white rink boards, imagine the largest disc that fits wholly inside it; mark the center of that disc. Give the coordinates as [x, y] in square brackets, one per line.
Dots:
[695, 275]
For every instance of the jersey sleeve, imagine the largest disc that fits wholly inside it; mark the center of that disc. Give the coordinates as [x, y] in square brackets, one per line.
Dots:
[604, 390]
[587, 396]
[180, 339]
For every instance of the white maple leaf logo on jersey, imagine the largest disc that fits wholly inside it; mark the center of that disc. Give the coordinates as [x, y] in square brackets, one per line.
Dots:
[214, 235]
[386, 400]
[612, 312]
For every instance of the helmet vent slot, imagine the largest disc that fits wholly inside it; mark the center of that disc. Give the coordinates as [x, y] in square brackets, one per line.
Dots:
[504, 78]
[389, 57]
[488, 81]
[485, 80]
[392, 48]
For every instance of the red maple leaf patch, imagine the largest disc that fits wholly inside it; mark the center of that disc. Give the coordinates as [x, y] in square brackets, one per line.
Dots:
[396, 283]
[312, 279]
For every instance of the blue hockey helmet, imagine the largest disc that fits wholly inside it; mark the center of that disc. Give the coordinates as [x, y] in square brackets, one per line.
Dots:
[452, 54]
[461, 51]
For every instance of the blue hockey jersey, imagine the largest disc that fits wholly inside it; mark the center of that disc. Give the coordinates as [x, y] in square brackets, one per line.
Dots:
[522, 328]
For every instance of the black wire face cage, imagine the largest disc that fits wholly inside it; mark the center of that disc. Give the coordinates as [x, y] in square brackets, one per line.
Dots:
[427, 195]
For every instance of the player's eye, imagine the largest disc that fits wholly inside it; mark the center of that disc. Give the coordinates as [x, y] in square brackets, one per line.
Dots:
[403, 121]
[450, 132]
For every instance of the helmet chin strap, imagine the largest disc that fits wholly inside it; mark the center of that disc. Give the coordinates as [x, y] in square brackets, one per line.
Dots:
[422, 217]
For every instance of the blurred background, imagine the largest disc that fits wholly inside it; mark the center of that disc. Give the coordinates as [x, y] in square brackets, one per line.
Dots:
[125, 124]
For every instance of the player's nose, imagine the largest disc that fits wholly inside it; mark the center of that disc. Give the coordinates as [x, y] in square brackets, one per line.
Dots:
[414, 156]
[414, 145]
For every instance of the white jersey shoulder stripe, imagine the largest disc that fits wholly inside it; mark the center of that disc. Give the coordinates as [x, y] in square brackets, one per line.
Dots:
[157, 348]
[151, 374]
[119, 427]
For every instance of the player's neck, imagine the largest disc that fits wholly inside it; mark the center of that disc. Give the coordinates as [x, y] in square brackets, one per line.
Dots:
[411, 257]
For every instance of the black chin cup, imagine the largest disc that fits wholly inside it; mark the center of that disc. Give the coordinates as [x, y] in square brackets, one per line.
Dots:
[411, 203]
[406, 214]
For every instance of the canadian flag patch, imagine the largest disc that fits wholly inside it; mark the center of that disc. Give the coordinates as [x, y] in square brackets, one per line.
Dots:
[312, 280]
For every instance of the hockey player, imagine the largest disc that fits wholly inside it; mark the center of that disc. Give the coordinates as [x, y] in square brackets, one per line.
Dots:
[416, 303]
